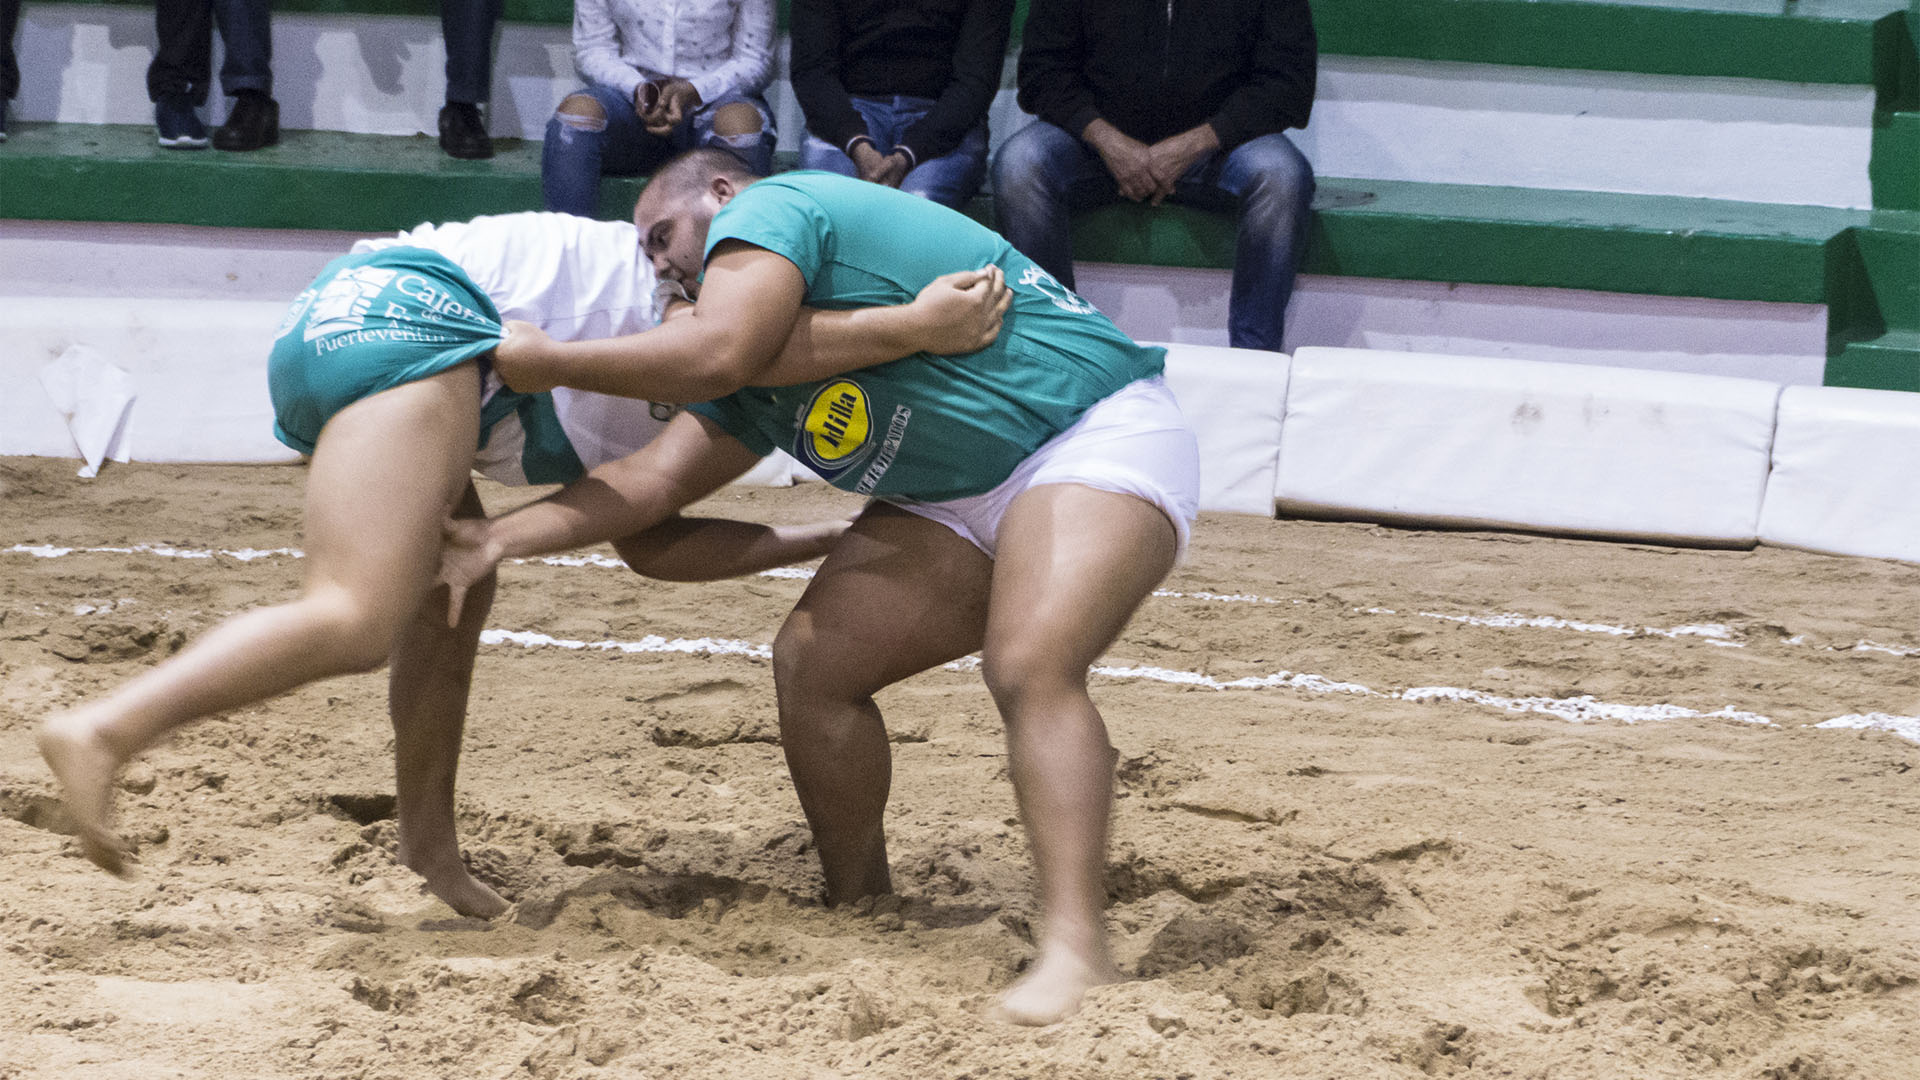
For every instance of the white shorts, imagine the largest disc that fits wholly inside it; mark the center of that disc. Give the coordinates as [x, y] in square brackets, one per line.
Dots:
[1134, 442]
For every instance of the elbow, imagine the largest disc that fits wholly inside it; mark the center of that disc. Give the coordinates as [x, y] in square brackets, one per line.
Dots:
[725, 370]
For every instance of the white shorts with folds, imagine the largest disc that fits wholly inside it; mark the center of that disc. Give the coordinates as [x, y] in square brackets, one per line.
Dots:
[1134, 442]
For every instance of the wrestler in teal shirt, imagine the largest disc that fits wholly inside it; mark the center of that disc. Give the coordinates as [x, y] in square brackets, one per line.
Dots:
[927, 428]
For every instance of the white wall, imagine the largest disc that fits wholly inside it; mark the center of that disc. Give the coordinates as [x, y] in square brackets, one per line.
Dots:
[1783, 343]
[1717, 138]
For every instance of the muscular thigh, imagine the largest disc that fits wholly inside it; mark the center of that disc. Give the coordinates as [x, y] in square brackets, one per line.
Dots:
[1074, 564]
[898, 595]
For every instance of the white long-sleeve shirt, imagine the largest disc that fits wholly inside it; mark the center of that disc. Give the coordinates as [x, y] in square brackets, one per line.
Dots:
[577, 280]
[720, 46]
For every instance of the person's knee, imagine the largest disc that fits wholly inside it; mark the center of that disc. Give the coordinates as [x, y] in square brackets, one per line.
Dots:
[795, 660]
[737, 118]
[581, 112]
[1020, 676]
[815, 680]
[1276, 172]
[354, 635]
[1029, 161]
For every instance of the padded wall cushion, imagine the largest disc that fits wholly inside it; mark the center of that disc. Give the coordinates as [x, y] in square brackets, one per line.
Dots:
[1450, 440]
[1844, 463]
[1233, 399]
[199, 371]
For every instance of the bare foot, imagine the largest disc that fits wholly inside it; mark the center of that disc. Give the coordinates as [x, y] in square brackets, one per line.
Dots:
[1051, 990]
[449, 880]
[85, 767]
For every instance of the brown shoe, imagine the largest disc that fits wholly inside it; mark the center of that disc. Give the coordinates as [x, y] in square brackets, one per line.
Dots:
[253, 123]
[462, 134]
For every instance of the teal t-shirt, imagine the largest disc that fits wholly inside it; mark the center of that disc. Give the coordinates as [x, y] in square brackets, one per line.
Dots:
[925, 427]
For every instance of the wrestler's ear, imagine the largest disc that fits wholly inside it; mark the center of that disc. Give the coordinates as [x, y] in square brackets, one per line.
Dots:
[724, 189]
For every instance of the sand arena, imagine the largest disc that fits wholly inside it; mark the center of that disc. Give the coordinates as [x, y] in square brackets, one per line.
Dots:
[1391, 804]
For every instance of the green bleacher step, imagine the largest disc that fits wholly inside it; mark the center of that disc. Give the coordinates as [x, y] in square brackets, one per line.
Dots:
[1875, 329]
[1860, 263]
[1888, 362]
[1652, 244]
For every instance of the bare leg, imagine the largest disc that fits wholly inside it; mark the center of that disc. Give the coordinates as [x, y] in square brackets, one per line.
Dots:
[432, 675]
[427, 690]
[898, 595]
[386, 472]
[1073, 565]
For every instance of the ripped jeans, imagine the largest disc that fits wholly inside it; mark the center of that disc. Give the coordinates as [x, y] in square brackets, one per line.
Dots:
[579, 149]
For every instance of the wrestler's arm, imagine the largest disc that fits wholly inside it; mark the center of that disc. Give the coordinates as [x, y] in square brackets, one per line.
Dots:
[955, 314]
[714, 549]
[748, 329]
[689, 460]
[749, 302]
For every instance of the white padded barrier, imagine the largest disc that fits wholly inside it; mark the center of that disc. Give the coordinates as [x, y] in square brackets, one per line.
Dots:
[1458, 441]
[198, 368]
[199, 376]
[1233, 399]
[1843, 473]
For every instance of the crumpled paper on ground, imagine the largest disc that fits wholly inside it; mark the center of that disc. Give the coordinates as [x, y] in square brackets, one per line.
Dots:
[96, 397]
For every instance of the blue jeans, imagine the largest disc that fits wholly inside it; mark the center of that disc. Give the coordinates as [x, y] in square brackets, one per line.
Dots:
[466, 27]
[1043, 175]
[183, 62]
[577, 153]
[949, 180]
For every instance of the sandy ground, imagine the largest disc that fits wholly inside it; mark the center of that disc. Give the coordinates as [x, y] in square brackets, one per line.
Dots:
[1307, 880]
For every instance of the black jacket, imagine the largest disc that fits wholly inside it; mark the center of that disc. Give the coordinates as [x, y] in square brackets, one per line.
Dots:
[1154, 68]
[948, 50]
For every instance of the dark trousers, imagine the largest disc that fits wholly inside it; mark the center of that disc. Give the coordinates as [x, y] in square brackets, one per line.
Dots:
[183, 63]
[1043, 174]
[467, 27]
[9, 65]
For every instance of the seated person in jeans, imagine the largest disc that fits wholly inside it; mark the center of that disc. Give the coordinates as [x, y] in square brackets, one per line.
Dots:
[660, 79]
[897, 91]
[1150, 100]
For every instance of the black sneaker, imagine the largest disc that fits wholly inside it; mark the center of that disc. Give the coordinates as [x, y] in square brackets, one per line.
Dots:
[462, 134]
[180, 127]
[3, 119]
[253, 123]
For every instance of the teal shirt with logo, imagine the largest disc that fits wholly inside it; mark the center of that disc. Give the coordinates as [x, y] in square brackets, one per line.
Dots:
[927, 427]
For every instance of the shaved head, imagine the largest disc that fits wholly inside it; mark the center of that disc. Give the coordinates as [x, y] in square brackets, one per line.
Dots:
[695, 170]
[679, 203]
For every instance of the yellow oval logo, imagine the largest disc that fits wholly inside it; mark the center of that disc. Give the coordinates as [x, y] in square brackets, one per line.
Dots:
[838, 422]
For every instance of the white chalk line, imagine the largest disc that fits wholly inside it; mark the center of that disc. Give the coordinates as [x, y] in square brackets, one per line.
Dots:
[1581, 709]
[1717, 634]
[165, 551]
[1907, 727]
[1711, 633]
[652, 643]
[1714, 633]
